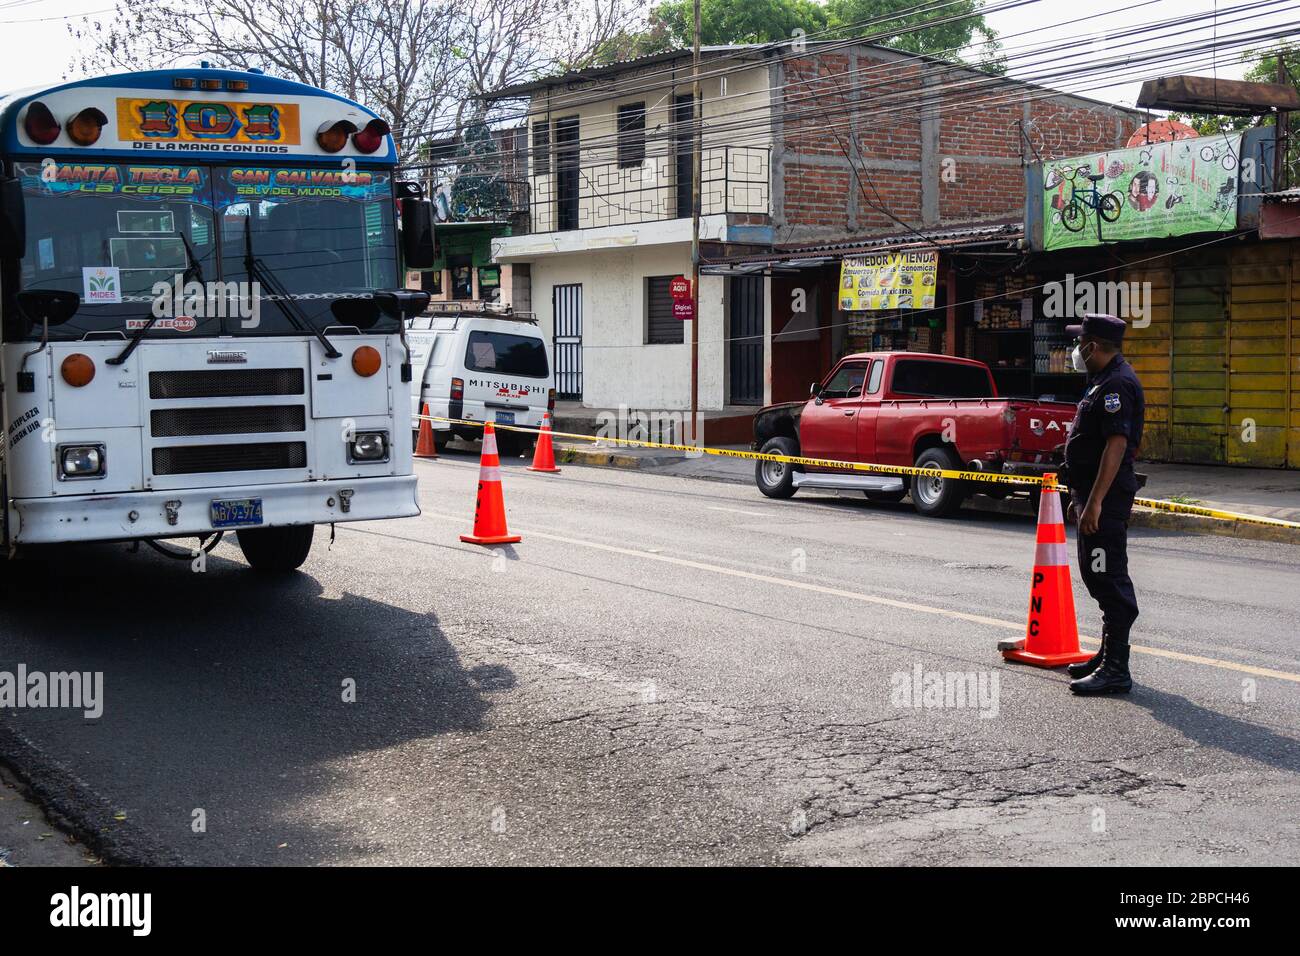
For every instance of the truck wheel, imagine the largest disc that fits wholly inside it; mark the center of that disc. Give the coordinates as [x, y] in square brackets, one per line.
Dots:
[276, 550]
[776, 478]
[937, 497]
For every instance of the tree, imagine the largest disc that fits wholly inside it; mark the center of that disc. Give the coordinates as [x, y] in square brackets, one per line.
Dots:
[966, 26]
[479, 191]
[418, 63]
[725, 21]
[672, 25]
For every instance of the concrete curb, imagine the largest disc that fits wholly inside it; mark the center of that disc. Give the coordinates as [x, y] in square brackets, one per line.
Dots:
[1142, 518]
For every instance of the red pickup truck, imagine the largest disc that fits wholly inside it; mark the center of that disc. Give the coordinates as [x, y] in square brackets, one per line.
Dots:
[909, 408]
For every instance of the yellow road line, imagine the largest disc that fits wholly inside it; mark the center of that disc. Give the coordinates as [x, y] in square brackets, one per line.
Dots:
[815, 588]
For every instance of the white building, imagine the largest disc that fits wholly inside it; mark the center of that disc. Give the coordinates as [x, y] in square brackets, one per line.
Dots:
[609, 179]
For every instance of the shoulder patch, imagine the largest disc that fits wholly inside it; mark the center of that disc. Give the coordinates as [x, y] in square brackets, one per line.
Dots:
[1112, 402]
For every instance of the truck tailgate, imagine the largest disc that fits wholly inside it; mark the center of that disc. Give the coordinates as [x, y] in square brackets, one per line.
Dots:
[1040, 428]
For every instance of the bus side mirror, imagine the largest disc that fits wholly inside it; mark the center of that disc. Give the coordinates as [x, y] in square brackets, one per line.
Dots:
[13, 220]
[52, 306]
[417, 234]
[404, 304]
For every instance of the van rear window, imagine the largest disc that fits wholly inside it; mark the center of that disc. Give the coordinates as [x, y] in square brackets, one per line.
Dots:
[940, 379]
[506, 354]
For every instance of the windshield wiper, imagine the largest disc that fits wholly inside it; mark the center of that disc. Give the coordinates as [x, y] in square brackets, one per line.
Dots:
[193, 269]
[258, 271]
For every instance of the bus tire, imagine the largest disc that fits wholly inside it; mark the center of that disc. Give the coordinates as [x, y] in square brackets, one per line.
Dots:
[276, 550]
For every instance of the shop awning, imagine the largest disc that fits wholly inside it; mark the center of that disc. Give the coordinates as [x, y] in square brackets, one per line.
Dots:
[791, 259]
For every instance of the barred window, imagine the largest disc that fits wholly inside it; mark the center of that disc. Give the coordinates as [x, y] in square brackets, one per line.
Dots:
[631, 135]
[661, 327]
[541, 148]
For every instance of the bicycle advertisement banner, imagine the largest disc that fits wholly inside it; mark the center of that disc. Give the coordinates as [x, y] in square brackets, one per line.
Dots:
[1147, 192]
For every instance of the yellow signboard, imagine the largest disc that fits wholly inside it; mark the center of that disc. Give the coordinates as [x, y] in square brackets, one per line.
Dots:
[889, 280]
[207, 121]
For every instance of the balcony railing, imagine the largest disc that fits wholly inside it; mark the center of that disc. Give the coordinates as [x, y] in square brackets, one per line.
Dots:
[733, 179]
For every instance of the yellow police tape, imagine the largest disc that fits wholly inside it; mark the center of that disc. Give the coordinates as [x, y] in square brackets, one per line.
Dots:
[903, 470]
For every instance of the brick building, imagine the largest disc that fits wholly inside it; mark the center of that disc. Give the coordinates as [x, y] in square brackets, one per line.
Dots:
[808, 155]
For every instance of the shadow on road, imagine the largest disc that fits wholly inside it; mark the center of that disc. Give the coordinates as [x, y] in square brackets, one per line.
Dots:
[227, 692]
[1218, 731]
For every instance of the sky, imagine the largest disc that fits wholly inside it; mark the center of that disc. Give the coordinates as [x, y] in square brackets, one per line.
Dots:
[36, 47]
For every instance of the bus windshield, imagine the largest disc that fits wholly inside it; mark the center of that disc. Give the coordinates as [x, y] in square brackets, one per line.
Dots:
[117, 233]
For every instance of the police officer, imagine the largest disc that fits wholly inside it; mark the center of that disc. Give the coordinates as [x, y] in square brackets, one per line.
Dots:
[1099, 472]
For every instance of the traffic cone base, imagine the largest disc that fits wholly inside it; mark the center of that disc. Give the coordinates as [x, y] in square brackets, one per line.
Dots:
[544, 454]
[499, 539]
[1051, 631]
[490, 507]
[424, 445]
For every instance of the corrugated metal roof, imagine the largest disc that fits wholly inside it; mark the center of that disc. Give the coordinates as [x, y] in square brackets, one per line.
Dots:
[954, 237]
[1284, 195]
[617, 66]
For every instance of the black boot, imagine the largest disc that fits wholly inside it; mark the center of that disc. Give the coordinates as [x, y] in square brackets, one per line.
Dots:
[1084, 668]
[1111, 677]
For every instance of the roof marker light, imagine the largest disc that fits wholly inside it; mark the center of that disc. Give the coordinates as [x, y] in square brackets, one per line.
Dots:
[182, 83]
[371, 137]
[85, 127]
[40, 125]
[332, 137]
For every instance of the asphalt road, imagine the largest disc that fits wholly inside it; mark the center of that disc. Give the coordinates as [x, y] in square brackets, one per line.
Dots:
[665, 670]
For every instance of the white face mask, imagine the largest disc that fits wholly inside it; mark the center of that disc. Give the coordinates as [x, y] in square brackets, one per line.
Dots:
[1076, 360]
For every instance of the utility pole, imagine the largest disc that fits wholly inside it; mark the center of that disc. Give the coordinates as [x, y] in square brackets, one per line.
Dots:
[696, 164]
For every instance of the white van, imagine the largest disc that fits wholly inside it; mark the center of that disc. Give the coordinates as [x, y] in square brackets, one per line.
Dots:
[483, 368]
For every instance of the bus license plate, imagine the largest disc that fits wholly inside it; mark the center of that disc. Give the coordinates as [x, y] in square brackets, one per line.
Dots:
[505, 418]
[236, 512]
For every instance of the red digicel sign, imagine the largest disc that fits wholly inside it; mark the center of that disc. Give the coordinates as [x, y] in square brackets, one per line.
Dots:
[680, 288]
[683, 309]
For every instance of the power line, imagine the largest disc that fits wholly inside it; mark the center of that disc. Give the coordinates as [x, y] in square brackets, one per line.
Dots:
[1001, 91]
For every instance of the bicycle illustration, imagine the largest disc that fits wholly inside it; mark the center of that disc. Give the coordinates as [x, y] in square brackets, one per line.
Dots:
[1074, 215]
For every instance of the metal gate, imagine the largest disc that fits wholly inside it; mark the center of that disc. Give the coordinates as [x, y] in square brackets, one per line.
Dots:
[746, 352]
[566, 305]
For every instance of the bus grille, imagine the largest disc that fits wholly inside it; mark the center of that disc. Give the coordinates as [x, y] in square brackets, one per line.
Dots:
[225, 383]
[199, 459]
[237, 420]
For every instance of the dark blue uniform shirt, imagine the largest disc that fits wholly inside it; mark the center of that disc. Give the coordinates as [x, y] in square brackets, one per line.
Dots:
[1112, 404]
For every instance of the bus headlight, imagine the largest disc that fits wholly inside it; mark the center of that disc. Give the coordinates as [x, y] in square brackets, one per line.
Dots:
[81, 461]
[368, 447]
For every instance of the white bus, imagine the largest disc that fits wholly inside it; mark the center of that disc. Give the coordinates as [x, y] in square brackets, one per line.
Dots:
[202, 313]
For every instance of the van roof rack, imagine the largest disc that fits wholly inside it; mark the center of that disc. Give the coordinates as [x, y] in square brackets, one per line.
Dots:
[455, 310]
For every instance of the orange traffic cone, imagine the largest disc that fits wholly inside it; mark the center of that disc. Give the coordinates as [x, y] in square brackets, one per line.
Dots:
[544, 455]
[424, 446]
[1051, 633]
[490, 509]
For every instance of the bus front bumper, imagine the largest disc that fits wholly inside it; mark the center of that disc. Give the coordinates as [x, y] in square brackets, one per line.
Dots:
[187, 512]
